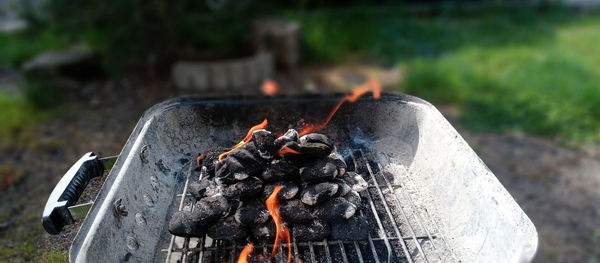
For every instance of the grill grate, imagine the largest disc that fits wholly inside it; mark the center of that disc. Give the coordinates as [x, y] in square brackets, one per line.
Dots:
[400, 230]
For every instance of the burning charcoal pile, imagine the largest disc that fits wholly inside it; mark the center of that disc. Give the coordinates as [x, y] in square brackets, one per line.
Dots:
[319, 199]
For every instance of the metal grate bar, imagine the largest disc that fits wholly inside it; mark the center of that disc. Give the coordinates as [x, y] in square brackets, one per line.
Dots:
[295, 245]
[416, 215]
[343, 251]
[384, 200]
[327, 253]
[312, 252]
[387, 209]
[170, 251]
[401, 208]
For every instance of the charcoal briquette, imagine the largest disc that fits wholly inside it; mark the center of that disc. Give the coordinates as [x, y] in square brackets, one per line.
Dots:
[280, 170]
[265, 143]
[264, 231]
[320, 170]
[357, 182]
[338, 160]
[315, 149]
[211, 160]
[210, 209]
[316, 138]
[354, 198]
[334, 210]
[239, 164]
[228, 171]
[244, 189]
[252, 212]
[343, 187]
[356, 228]
[203, 188]
[227, 229]
[289, 190]
[182, 224]
[294, 211]
[315, 230]
[290, 136]
[318, 193]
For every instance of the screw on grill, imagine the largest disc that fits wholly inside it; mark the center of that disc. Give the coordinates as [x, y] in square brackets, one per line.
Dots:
[119, 208]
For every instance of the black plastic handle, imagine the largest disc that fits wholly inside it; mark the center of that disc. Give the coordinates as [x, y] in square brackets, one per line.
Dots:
[56, 213]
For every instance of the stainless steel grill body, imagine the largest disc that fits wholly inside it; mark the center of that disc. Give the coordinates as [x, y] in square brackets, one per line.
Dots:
[430, 199]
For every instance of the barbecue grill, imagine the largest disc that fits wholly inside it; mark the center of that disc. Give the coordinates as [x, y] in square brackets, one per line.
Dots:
[430, 198]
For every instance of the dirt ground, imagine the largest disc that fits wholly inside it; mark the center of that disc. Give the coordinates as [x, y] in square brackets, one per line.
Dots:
[557, 186]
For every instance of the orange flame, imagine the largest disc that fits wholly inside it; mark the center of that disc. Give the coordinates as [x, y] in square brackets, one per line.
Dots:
[245, 253]
[282, 231]
[269, 87]
[246, 139]
[200, 157]
[372, 85]
[286, 150]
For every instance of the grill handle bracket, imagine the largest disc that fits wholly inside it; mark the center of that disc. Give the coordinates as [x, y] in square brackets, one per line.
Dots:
[67, 191]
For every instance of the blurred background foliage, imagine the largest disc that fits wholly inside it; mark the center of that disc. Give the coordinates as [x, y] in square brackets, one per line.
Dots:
[530, 68]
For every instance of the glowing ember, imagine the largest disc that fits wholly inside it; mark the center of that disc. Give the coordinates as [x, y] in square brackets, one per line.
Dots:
[199, 158]
[286, 150]
[246, 139]
[282, 231]
[245, 253]
[372, 85]
[269, 87]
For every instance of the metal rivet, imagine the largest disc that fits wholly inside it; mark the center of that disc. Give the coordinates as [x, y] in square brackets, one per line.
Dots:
[144, 154]
[140, 219]
[154, 182]
[132, 243]
[148, 200]
[119, 208]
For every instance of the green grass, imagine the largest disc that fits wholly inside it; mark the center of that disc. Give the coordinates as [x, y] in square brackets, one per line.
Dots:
[536, 71]
[17, 48]
[20, 115]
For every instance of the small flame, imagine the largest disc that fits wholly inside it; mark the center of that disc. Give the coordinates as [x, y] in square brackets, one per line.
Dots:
[269, 87]
[282, 231]
[199, 158]
[246, 139]
[372, 85]
[286, 150]
[245, 253]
